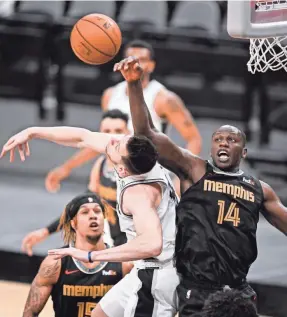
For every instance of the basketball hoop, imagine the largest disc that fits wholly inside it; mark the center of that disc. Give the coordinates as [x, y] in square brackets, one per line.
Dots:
[267, 54]
[265, 24]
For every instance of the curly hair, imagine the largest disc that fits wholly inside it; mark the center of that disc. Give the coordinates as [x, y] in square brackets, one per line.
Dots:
[228, 304]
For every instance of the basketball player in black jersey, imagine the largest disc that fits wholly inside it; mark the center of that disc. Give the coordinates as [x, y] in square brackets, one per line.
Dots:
[102, 182]
[219, 208]
[76, 287]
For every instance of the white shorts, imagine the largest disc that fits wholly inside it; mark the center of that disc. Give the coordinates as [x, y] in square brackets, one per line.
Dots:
[143, 292]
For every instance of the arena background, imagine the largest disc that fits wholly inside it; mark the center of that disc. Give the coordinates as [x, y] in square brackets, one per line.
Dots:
[43, 84]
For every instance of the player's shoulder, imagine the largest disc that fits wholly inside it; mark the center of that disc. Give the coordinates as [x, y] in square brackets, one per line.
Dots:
[50, 269]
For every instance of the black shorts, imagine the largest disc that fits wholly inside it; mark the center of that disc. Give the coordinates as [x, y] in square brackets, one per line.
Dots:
[192, 297]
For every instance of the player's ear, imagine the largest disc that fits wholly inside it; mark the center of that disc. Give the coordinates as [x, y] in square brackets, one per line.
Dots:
[73, 224]
[244, 153]
[151, 66]
[122, 170]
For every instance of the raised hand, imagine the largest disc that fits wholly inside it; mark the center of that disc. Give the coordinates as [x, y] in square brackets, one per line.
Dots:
[33, 238]
[20, 141]
[54, 178]
[130, 69]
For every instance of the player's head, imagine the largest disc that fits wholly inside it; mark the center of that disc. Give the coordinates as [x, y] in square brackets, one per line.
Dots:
[132, 155]
[228, 304]
[144, 52]
[83, 218]
[228, 147]
[115, 122]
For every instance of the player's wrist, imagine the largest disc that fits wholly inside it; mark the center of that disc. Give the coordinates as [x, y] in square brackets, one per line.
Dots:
[90, 256]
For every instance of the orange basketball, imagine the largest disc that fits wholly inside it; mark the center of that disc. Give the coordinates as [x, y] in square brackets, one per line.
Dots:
[96, 39]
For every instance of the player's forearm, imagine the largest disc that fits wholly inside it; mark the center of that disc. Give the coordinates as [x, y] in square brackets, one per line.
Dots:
[73, 137]
[141, 118]
[68, 136]
[80, 158]
[194, 145]
[137, 249]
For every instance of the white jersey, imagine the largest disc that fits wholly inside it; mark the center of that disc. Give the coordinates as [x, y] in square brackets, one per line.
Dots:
[166, 209]
[119, 100]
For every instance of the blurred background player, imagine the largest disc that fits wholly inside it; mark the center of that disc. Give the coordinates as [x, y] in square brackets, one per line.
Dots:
[76, 287]
[102, 182]
[164, 105]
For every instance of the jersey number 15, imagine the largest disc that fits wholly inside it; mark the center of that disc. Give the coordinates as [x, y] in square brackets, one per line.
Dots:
[85, 308]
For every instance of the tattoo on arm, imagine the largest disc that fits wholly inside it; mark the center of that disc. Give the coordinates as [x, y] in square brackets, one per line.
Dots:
[41, 289]
[49, 271]
[173, 105]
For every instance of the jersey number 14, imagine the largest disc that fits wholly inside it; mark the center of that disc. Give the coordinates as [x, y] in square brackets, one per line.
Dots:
[232, 213]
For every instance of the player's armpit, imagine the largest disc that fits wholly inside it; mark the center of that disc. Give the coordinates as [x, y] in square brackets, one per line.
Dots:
[274, 211]
[169, 106]
[42, 286]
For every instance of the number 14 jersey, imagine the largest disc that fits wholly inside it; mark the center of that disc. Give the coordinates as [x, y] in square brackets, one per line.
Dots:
[216, 227]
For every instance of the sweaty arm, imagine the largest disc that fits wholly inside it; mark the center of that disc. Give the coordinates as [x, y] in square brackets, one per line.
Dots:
[274, 211]
[41, 287]
[170, 106]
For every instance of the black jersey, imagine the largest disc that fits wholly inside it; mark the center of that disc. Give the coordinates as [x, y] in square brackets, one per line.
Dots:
[108, 191]
[79, 289]
[216, 228]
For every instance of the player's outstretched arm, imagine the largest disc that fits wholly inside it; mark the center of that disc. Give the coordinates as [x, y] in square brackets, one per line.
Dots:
[68, 136]
[274, 211]
[148, 240]
[171, 156]
[42, 286]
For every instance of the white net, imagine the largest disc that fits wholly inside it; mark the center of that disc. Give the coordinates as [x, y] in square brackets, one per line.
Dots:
[269, 53]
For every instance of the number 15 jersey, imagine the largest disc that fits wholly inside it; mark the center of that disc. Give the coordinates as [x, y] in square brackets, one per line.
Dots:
[216, 227]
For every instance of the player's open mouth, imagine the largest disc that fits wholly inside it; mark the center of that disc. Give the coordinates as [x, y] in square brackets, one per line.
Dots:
[94, 225]
[223, 156]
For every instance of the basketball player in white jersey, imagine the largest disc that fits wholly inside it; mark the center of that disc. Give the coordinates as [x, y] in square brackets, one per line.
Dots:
[146, 209]
[164, 106]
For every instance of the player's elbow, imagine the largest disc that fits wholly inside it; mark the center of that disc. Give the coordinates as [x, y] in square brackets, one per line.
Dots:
[155, 246]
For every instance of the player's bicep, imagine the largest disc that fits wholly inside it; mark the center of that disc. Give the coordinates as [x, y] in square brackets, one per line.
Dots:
[98, 141]
[273, 209]
[42, 286]
[144, 212]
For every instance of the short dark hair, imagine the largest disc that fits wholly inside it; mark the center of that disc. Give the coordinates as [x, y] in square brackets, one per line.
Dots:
[241, 132]
[141, 44]
[142, 155]
[115, 114]
[229, 304]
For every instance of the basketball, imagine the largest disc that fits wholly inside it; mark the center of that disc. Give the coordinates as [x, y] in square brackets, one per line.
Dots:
[96, 39]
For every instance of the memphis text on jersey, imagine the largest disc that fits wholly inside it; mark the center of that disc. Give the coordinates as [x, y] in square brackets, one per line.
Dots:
[86, 291]
[233, 190]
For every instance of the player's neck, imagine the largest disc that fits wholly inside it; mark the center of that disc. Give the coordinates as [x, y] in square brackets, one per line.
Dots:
[109, 165]
[85, 245]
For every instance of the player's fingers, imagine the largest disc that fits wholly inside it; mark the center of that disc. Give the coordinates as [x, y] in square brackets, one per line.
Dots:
[12, 155]
[116, 67]
[21, 152]
[27, 149]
